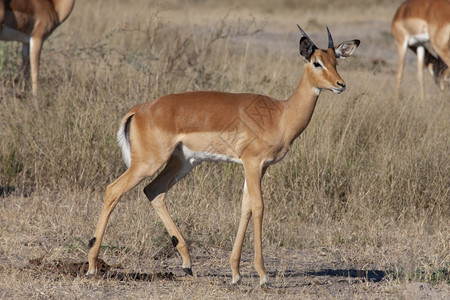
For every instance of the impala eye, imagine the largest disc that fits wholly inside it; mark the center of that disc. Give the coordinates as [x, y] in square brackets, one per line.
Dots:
[317, 65]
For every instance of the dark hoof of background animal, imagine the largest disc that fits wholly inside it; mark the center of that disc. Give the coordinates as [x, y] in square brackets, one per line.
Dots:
[188, 271]
[7, 190]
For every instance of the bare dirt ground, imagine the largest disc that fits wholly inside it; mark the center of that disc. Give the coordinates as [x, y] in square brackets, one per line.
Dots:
[303, 274]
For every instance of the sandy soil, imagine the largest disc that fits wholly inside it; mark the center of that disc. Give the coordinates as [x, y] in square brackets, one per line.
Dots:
[307, 274]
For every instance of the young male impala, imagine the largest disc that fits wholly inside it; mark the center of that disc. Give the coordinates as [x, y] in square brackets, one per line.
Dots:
[415, 23]
[183, 130]
[31, 22]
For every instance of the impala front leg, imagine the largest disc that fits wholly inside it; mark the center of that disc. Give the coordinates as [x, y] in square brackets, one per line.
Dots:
[253, 176]
[258, 212]
[246, 213]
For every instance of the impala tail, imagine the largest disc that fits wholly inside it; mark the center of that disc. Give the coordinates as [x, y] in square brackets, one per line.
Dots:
[123, 137]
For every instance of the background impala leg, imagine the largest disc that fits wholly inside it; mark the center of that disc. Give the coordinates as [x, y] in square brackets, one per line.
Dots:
[35, 53]
[441, 43]
[25, 72]
[401, 49]
[420, 51]
[445, 78]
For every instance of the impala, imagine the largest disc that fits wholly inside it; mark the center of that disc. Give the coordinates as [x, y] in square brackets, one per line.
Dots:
[182, 130]
[415, 23]
[31, 22]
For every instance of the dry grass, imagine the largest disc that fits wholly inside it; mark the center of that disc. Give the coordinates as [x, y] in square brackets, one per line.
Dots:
[359, 208]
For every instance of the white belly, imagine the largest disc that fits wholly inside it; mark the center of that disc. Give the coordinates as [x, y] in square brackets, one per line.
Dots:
[195, 157]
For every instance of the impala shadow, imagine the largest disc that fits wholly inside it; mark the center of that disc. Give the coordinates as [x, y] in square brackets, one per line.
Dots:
[77, 269]
[363, 275]
[113, 272]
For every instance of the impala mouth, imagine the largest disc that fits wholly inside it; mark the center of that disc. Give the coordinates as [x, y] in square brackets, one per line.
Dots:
[338, 90]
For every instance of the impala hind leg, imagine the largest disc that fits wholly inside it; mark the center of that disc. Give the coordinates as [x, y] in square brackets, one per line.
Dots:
[129, 179]
[176, 168]
[401, 50]
[25, 71]
[35, 53]
[444, 79]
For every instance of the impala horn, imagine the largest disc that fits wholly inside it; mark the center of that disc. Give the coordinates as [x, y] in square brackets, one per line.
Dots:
[330, 39]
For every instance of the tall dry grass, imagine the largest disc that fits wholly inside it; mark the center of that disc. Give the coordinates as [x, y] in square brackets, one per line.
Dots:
[366, 177]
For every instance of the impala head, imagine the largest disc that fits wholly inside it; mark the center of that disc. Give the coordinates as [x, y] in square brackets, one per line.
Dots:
[321, 64]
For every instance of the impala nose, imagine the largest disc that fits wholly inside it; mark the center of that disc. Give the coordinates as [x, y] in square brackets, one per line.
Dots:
[340, 88]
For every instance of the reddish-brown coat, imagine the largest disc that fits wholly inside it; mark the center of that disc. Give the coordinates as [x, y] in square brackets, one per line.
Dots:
[35, 20]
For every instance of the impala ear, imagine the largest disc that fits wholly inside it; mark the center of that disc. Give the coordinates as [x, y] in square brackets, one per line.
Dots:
[345, 49]
[307, 48]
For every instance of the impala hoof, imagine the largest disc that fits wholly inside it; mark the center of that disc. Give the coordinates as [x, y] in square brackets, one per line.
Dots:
[91, 273]
[236, 280]
[264, 282]
[265, 285]
[188, 271]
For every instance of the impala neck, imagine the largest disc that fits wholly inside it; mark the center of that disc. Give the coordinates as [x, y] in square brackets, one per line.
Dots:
[300, 107]
[63, 8]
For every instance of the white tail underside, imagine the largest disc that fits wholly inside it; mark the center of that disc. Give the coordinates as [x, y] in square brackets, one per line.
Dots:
[124, 145]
